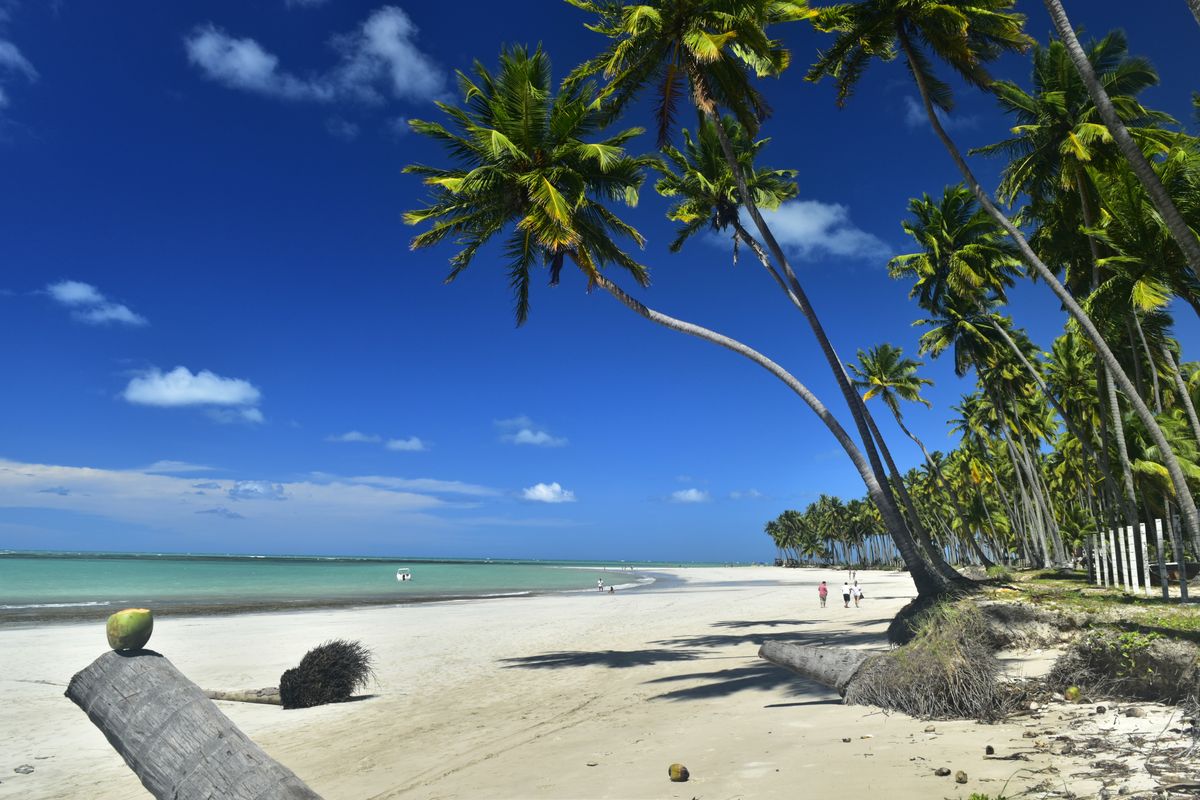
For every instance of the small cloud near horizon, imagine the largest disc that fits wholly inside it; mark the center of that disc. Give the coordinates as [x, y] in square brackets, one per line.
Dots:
[355, 436]
[412, 444]
[228, 400]
[548, 493]
[524, 431]
[221, 511]
[167, 467]
[690, 496]
[256, 490]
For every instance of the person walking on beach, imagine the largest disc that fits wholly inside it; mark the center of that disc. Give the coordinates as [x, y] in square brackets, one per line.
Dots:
[600, 584]
[823, 592]
[856, 593]
[845, 594]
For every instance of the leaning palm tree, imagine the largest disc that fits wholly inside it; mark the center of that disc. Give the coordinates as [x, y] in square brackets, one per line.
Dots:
[707, 48]
[966, 35]
[706, 198]
[524, 170]
[1183, 235]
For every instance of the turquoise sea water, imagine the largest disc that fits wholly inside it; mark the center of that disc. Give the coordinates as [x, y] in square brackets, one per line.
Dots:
[84, 585]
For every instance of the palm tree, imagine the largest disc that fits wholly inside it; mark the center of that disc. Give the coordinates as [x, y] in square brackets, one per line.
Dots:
[966, 34]
[710, 46]
[885, 373]
[525, 169]
[1180, 231]
[706, 195]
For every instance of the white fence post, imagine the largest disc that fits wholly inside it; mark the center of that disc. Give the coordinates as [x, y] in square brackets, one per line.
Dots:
[1145, 558]
[1131, 561]
[1163, 583]
[1113, 573]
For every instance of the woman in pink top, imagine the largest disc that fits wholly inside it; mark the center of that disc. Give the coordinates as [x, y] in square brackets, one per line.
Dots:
[822, 592]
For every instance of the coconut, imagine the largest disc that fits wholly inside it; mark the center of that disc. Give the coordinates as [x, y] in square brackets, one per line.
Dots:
[1073, 694]
[678, 772]
[130, 629]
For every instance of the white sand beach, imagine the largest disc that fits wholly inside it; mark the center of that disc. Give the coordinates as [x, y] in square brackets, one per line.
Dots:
[583, 695]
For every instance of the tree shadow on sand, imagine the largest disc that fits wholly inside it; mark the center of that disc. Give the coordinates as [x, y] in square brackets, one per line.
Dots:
[752, 677]
[765, 623]
[841, 639]
[614, 659]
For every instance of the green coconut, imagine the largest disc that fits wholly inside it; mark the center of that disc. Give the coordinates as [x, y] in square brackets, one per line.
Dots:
[678, 772]
[130, 629]
[1073, 694]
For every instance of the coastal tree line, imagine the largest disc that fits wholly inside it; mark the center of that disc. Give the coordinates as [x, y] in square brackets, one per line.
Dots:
[1098, 202]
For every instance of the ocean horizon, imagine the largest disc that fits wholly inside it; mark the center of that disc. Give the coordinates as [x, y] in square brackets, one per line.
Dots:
[38, 586]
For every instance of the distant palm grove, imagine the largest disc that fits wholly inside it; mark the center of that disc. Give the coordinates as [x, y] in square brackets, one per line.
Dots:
[1099, 202]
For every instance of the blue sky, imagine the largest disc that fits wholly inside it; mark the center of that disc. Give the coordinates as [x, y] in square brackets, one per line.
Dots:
[217, 340]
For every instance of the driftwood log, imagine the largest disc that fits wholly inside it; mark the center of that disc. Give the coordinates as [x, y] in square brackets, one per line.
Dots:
[268, 696]
[175, 739]
[834, 667]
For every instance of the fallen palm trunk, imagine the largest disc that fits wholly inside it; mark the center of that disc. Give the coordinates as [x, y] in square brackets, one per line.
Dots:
[947, 671]
[834, 667]
[267, 696]
[175, 739]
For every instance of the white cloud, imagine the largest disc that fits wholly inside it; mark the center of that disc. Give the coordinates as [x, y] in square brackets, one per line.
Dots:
[169, 467]
[169, 502]
[11, 60]
[548, 493]
[523, 430]
[536, 438]
[430, 485]
[410, 445]
[383, 49]
[379, 58]
[180, 387]
[256, 490]
[915, 117]
[355, 436]
[234, 416]
[75, 293]
[244, 64]
[690, 496]
[811, 229]
[749, 494]
[91, 306]
[221, 511]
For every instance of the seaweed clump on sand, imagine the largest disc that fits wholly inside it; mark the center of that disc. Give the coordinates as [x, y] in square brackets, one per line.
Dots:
[947, 670]
[329, 673]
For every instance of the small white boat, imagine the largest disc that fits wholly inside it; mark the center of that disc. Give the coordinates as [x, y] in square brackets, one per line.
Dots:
[403, 574]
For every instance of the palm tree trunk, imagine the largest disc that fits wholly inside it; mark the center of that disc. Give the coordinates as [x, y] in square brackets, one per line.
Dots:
[1141, 335]
[1084, 441]
[927, 582]
[1181, 388]
[936, 472]
[1191, 517]
[931, 550]
[702, 96]
[1118, 428]
[1179, 229]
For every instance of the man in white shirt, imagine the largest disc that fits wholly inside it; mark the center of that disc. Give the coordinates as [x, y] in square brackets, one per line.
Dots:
[845, 594]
